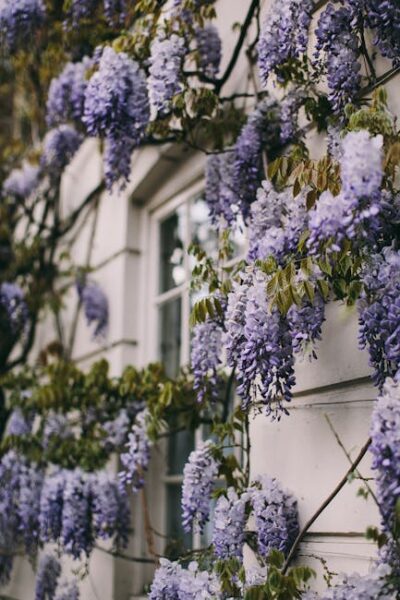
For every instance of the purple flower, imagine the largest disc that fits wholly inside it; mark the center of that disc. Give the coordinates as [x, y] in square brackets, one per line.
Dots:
[67, 93]
[59, 147]
[110, 509]
[198, 480]
[13, 302]
[166, 60]
[284, 34]
[173, 582]
[117, 109]
[305, 324]
[379, 314]
[361, 164]
[21, 183]
[30, 489]
[67, 590]
[336, 37]
[116, 430]
[56, 428]
[372, 586]
[220, 193]
[206, 359]
[95, 306]
[229, 526]
[209, 47]
[165, 584]
[79, 10]
[10, 470]
[76, 529]
[115, 11]
[385, 449]
[276, 516]
[47, 577]
[265, 366]
[51, 506]
[19, 423]
[328, 221]
[136, 460]
[383, 16]
[19, 20]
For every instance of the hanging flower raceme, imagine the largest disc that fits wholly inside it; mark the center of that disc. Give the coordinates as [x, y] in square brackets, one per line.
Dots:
[48, 573]
[59, 147]
[234, 339]
[116, 11]
[206, 359]
[19, 424]
[336, 38]
[10, 470]
[116, 430]
[383, 16]
[21, 183]
[284, 35]
[51, 506]
[56, 428]
[229, 526]
[136, 460]
[79, 10]
[110, 510]
[276, 515]
[373, 586]
[30, 489]
[13, 301]
[166, 61]
[67, 590]
[198, 480]
[305, 324]
[67, 94]
[76, 529]
[220, 194]
[261, 134]
[209, 47]
[385, 448]
[379, 313]
[117, 109]
[265, 367]
[95, 306]
[19, 20]
[173, 582]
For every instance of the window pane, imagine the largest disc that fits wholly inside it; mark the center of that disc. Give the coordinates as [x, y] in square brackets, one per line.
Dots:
[170, 336]
[178, 539]
[180, 446]
[202, 233]
[172, 241]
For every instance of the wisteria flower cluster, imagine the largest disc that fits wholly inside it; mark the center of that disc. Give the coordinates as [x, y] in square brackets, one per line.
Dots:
[135, 460]
[117, 109]
[67, 94]
[372, 586]
[19, 423]
[383, 16]
[229, 525]
[13, 301]
[47, 577]
[59, 147]
[19, 20]
[198, 481]
[167, 55]
[379, 313]
[209, 47]
[95, 306]
[21, 183]
[284, 34]
[172, 581]
[206, 359]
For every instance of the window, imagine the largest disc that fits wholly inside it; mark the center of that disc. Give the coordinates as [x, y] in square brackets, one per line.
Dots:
[175, 226]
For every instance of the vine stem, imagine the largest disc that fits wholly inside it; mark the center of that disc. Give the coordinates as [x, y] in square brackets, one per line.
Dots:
[325, 504]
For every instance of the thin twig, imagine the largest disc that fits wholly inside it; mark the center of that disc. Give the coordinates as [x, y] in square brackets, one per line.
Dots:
[116, 554]
[324, 505]
[147, 525]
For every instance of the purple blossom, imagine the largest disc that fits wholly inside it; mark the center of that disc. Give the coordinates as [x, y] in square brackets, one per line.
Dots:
[79, 10]
[19, 20]
[116, 11]
[372, 586]
[67, 93]
[276, 516]
[290, 107]
[385, 449]
[209, 47]
[95, 306]
[76, 530]
[30, 489]
[67, 590]
[51, 506]
[136, 460]
[198, 480]
[379, 314]
[47, 577]
[383, 16]
[56, 428]
[173, 582]
[260, 134]
[328, 221]
[361, 164]
[265, 366]
[10, 470]
[229, 526]
[117, 109]
[220, 193]
[234, 339]
[116, 430]
[206, 359]
[59, 147]
[110, 509]
[284, 35]
[166, 60]
[305, 324]
[21, 183]
[336, 37]
[19, 423]
[13, 301]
